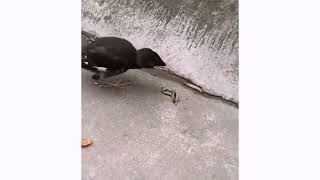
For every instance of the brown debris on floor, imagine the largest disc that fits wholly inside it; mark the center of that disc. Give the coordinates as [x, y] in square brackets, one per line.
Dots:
[172, 93]
[86, 142]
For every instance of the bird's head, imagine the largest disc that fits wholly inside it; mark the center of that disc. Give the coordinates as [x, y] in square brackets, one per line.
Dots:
[149, 59]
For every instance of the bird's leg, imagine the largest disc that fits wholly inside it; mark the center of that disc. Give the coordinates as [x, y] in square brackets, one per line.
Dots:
[116, 85]
[97, 78]
[110, 73]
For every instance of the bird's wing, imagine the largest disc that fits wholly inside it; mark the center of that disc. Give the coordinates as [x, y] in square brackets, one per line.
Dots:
[97, 50]
[106, 57]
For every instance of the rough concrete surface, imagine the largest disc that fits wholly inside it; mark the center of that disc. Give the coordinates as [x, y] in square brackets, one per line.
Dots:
[139, 133]
[197, 39]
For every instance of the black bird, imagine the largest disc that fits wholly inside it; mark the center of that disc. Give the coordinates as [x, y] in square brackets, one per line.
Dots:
[110, 56]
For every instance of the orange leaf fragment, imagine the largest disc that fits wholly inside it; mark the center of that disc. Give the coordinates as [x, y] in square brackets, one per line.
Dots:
[86, 142]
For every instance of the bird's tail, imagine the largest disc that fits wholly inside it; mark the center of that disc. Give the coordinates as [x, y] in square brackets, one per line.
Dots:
[91, 37]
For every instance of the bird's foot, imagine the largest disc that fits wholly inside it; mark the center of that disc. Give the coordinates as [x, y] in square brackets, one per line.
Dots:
[103, 83]
[99, 84]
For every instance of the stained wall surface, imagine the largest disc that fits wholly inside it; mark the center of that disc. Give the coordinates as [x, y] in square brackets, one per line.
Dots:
[197, 39]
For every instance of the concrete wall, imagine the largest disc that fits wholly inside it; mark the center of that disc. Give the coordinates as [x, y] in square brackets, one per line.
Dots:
[198, 39]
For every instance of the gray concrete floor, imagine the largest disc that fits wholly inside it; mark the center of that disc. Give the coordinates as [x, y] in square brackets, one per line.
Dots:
[140, 134]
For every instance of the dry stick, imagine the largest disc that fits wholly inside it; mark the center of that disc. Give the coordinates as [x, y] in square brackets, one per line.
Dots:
[193, 87]
[197, 88]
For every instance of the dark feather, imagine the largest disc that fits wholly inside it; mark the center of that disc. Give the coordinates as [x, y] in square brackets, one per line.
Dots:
[117, 55]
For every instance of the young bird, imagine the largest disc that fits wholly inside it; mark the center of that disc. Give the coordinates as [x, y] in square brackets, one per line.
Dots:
[110, 56]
